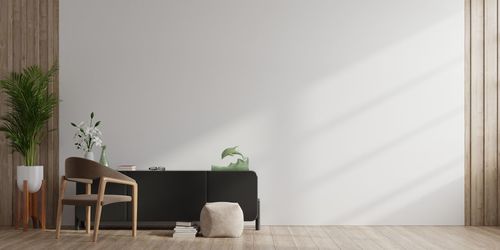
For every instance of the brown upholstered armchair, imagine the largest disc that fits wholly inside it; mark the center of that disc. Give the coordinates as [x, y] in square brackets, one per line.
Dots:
[84, 171]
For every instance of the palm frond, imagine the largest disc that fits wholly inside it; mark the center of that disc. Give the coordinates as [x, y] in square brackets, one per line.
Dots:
[30, 106]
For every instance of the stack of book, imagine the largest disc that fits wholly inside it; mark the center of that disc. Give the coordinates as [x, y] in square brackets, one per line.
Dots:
[127, 168]
[185, 230]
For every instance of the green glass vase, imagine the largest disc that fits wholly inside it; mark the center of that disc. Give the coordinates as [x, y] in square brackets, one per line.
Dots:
[104, 158]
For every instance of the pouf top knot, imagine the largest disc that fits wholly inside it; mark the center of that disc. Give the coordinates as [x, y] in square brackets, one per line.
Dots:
[221, 219]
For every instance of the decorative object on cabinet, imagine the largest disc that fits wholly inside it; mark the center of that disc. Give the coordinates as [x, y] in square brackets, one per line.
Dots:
[87, 136]
[104, 157]
[241, 164]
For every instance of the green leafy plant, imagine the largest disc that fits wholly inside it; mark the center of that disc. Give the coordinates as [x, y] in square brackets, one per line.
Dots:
[241, 163]
[30, 106]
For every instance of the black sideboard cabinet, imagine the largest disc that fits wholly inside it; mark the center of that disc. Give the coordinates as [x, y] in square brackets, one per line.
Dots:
[169, 196]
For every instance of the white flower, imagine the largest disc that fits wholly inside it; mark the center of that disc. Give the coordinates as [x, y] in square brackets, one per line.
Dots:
[95, 131]
[87, 136]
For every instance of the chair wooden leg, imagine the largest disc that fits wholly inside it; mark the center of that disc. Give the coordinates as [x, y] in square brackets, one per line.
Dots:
[59, 218]
[60, 207]
[98, 206]
[134, 211]
[87, 219]
[87, 211]
[97, 220]
[26, 209]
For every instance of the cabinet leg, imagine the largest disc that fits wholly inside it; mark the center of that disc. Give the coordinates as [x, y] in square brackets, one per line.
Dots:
[257, 220]
[78, 224]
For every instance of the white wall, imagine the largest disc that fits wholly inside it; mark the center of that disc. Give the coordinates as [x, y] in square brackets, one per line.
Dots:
[351, 111]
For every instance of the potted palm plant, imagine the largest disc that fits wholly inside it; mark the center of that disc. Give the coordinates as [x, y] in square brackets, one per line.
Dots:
[30, 106]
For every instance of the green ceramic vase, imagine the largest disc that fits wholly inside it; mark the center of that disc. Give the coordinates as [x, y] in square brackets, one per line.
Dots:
[104, 158]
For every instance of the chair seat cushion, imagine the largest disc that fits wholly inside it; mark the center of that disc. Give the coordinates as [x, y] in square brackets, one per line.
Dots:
[91, 199]
[221, 219]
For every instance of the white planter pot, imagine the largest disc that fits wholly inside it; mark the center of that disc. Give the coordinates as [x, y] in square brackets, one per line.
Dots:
[89, 155]
[34, 176]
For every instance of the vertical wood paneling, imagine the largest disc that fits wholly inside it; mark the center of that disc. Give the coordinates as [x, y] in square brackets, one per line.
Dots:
[30, 30]
[16, 55]
[467, 115]
[5, 167]
[490, 113]
[477, 112]
[498, 110]
[53, 124]
[43, 62]
[482, 120]
[10, 52]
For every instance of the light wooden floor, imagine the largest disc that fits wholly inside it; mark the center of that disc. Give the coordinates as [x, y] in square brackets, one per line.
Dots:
[270, 237]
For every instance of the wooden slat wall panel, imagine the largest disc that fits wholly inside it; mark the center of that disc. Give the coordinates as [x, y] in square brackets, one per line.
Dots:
[53, 124]
[498, 108]
[481, 112]
[29, 35]
[467, 115]
[477, 112]
[490, 112]
[17, 63]
[5, 156]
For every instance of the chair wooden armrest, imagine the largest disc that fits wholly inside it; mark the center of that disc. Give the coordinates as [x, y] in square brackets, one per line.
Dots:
[80, 180]
[118, 181]
[102, 187]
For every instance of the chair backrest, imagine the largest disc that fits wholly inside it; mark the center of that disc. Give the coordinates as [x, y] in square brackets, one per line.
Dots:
[77, 167]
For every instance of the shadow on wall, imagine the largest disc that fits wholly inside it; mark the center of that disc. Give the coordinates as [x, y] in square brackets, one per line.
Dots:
[313, 92]
[198, 72]
[371, 187]
[421, 204]
[375, 203]
[340, 169]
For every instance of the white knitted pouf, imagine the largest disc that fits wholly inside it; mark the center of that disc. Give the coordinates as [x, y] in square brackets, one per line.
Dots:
[221, 219]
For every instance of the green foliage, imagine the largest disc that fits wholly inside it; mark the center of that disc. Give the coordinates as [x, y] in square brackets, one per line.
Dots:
[30, 106]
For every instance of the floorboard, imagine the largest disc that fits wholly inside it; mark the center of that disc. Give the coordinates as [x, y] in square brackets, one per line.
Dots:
[270, 237]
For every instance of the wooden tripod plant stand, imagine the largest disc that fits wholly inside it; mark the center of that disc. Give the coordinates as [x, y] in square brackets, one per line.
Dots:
[30, 207]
